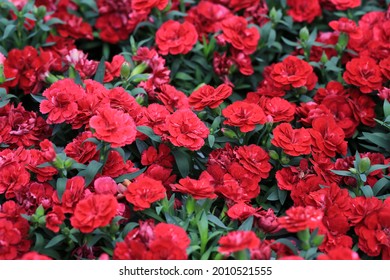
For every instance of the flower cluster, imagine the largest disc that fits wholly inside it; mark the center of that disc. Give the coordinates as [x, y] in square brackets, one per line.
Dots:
[173, 130]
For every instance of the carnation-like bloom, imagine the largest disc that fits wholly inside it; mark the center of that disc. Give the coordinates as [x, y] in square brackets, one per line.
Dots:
[198, 189]
[174, 37]
[293, 72]
[294, 142]
[113, 126]
[301, 218]
[304, 10]
[235, 31]
[60, 103]
[144, 191]
[244, 115]
[97, 210]
[186, 129]
[364, 73]
[328, 137]
[207, 96]
[236, 241]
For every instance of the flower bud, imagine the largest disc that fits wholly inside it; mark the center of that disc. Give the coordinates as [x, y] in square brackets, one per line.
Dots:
[125, 70]
[139, 69]
[40, 12]
[273, 154]
[304, 34]
[364, 164]
[229, 133]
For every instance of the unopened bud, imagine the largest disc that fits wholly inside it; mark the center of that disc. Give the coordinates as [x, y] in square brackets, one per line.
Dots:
[364, 164]
[304, 34]
[125, 70]
[273, 154]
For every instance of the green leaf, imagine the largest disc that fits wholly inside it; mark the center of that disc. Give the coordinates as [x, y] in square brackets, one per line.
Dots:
[203, 227]
[282, 196]
[367, 191]
[37, 98]
[377, 167]
[130, 176]
[386, 108]
[216, 221]
[149, 212]
[343, 173]
[288, 243]
[182, 161]
[60, 187]
[183, 76]
[121, 152]
[8, 30]
[128, 228]
[247, 224]
[55, 240]
[137, 91]
[90, 172]
[211, 139]
[380, 184]
[149, 132]
[99, 76]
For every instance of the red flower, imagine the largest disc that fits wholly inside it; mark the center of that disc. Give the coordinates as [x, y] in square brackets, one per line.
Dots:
[156, 115]
[149, 242]
[347, 26]
[28, 68]
[241, 211]
[35, 256]
[236, 241]
[72, 26]
[174, 233]
[143, 192]
[237, 5]
[364, 73]
[97, 210]
[61, 101]
[207, 17]
[163, 157]
[294, 142]
[344, 112]
[10, 237]
[74, 192]
[239, 185]
[244, 115]
[374, 232]
[267, 221]
[147, 5]
[340, 253]
[207, 96]
[19, 127]
[13, 177]
[300, 218]
[80, 150]
[332, 88]
[113, 68]
[236, 32]
[255, 160]
[105, 185]
[55, 218]
[293, 72]
[114, 127]
[385, 67]
[304, 10]
[346, 4]
[327, 137]
[198, 189]
[186, 130]
[172, 98]
[174, 37]
[276, 109]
